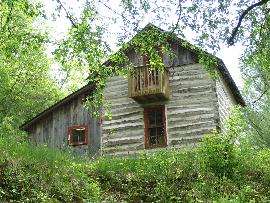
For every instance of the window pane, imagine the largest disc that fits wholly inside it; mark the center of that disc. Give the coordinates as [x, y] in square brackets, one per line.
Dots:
[159, 118]
[78, 135]
[152, 118]
[152, 136]
[156, 128]
[160, 135]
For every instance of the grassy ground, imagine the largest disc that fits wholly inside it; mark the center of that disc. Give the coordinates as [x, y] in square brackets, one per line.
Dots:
[215, 172]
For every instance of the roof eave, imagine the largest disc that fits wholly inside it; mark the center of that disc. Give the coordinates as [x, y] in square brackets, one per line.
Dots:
[65, 100]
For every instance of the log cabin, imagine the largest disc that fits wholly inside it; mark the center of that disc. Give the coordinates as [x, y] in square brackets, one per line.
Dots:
[151, 110]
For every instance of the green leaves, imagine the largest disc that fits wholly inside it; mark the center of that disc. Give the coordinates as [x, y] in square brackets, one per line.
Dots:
[82, 53]
[26, 87]
[220, 155]
[36, 174]
[219, 171]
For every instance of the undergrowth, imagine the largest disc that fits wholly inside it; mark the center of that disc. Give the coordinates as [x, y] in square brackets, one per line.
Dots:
[217, 171]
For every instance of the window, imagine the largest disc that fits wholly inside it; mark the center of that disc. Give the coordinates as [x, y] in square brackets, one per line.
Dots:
[155, 127]
[78, 135]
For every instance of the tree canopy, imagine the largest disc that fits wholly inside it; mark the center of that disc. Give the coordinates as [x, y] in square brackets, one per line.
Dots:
[26, 87]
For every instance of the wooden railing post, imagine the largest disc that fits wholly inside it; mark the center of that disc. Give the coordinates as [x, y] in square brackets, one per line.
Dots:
[146, 81]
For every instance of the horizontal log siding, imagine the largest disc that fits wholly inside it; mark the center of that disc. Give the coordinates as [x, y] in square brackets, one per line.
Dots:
[53, 129]
[191, 112]
[225, 100]
[125, 132]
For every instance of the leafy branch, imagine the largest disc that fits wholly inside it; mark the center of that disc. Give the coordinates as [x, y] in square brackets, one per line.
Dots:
[242, 16]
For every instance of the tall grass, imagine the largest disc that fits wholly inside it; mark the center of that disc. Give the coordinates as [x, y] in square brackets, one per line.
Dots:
[217, 171]
[37, 174]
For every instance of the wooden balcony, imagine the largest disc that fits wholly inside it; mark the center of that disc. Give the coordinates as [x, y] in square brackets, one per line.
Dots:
[146, 85]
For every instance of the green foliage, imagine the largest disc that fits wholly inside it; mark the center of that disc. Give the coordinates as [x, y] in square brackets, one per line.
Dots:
[147, 178]
[85, 47]
[210, 64]
[258, 125]
[220, 155]
[26, 87]
[82, 51]
[219, 171]
[178, 176]
[36, 174]
[255, 61]
[220, 151]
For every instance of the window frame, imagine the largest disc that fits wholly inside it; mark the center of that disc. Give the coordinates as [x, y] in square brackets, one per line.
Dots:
[75, 127]
[146, 126]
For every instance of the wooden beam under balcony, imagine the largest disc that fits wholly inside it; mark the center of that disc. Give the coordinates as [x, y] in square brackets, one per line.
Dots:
[147, 85]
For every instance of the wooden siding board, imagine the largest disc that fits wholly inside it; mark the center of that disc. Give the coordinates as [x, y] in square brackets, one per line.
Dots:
[189, 133]
[52, 130]
[183, 56]
[225, 100]
[135, 58]
[138, 132]
[123, 148]
[192, 111]
[125, 131]
[55, 129]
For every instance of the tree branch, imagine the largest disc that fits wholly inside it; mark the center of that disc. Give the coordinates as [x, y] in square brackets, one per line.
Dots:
[115, 12]
[179, 16]
[259, 98]
[257, 129]
[242, 16]
[68, 15]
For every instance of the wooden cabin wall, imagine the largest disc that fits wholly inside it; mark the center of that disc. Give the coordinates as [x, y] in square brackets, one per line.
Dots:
[225, 100]
[191, 111]
[53, 129]
[125, 132]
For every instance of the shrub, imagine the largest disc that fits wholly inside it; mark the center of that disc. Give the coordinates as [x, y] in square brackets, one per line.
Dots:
[37, 174]
[219, 155]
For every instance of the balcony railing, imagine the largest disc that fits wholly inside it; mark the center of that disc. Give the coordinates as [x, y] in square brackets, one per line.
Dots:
[146, 84]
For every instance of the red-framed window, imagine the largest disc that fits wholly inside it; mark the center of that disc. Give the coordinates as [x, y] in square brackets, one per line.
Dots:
[155, 127]
[78, 135]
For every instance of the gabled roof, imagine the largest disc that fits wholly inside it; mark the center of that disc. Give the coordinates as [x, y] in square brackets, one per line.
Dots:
[90, 87]
[85, 89]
